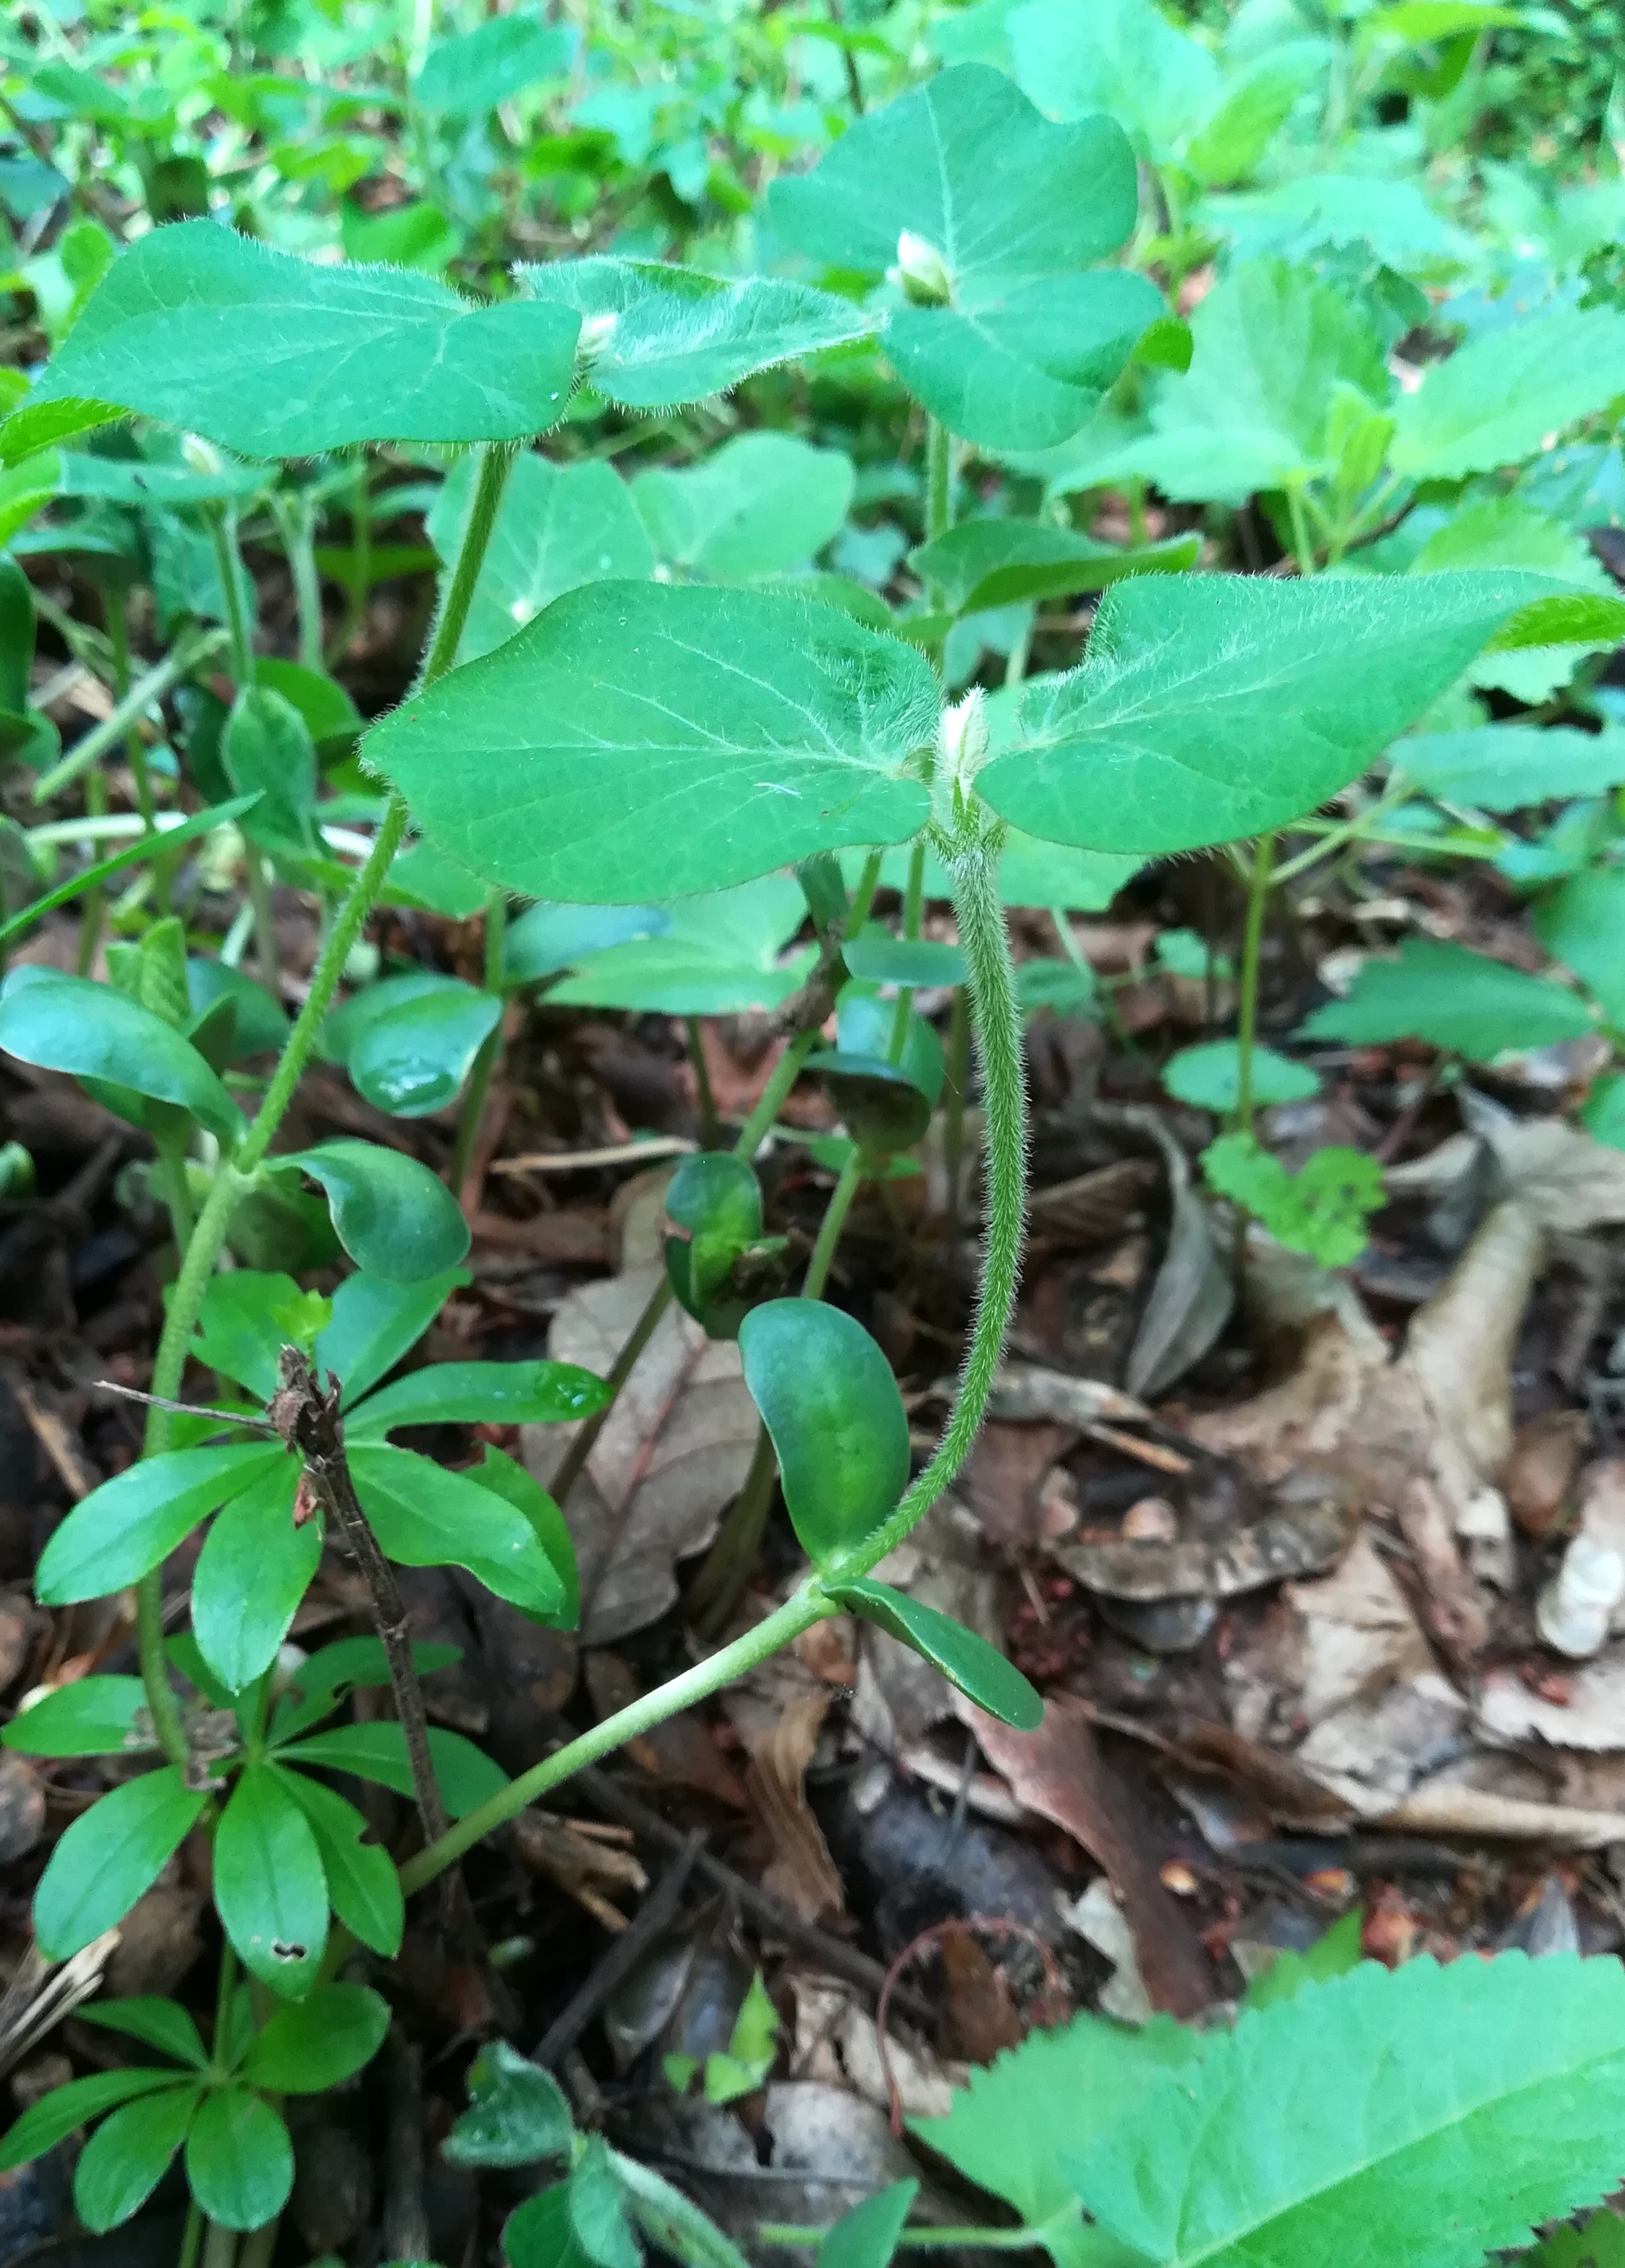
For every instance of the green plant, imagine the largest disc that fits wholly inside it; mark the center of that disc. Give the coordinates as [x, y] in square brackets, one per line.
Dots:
[639, 703]
[1111, 2147]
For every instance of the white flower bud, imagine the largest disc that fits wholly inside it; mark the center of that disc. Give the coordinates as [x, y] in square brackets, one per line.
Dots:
[202, 456]
[596, 333]
[962, 750]
[922, 273]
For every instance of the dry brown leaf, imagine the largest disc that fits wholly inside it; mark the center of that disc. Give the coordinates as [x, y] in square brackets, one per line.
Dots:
[1460, 1345]
[674, 1452]
[801, 1871]
[836, 2044]
[1592, 1717]
[979, 2017]
[1309, 1413]
[589, 1862]
[1566, 1178]
[1003, 1477]
[1450, 1808]
[1059, 1772]
[1359, 1635]
[680, 1751]
[1372, 1752]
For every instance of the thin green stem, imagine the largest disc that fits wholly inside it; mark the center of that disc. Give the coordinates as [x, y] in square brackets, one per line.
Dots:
[219, 2247]
[862, 897]
[1252, 950]
[191, 2236]
[94, 911]
[1345, 831]
[1303, 545]
[710, 1126]
[162, 1706]
[720, 1583]
[259, 2246]
[453, 615]
[581, 1448]
[939, 480]
[359, 585]
[835, 1211]
[982, 930]
[915, 2240]
[268, 959]
[295, 524]
[135, 747]
[223, 528]
[188, 652]
[177, 1192]
[485, 1062]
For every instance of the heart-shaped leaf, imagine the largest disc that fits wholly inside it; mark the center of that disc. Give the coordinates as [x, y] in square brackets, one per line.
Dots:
[1494, 402]
[658, 335]
[557, 526]
[682, 739]
[392, 1217]
[1022, 345]
[547, 938]
[68, 1023]
[471, 72]
[717, 953]
[1001, 562]
[1211, 707]
[762, 504]
[978, 1669]
[829, 1401]
[277, 357]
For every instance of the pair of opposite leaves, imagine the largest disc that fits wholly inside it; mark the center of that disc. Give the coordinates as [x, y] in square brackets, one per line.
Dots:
[271, 356]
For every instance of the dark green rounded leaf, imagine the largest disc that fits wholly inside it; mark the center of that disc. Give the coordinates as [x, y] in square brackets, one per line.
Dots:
[965, 1660]
[516, 2113]
[863, 1025]
[260, 1024]
[269, 1887]
[597, 2215]
[109, 1856]
[479, 1393]
[414, 1059]
[829, 1401]
[877, 1103]
[1468, 1003]
[128, 2155]
[240, 2159]
[120, 1531]
[425, 1515]
[682, 739]
[716, 1198]
[305, 2047]
[876, 957]
[539, 2234]
[67, 1023]
[393, 1216]
[93, 1717]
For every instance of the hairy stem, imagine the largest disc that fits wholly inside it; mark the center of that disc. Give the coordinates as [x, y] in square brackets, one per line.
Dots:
[1252, 949]
[981, 931]
[135, 747]
[458, 595]
[267, 958]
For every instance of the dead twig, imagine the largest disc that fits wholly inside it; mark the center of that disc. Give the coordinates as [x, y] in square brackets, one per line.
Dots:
[623, 1954]
[308, 1419]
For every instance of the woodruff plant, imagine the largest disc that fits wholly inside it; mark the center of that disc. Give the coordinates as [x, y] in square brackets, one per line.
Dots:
[635, 741]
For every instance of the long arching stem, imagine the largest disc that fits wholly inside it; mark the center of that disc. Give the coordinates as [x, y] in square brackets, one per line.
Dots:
[998, 1024]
